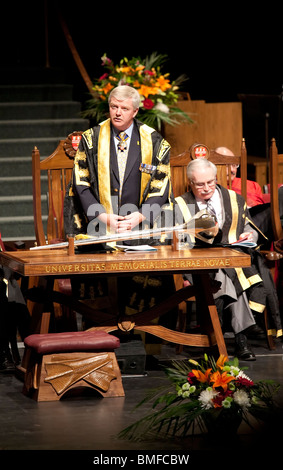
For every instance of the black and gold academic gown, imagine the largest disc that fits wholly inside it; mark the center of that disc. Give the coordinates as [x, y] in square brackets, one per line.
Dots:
[96, 169]
[256, 279]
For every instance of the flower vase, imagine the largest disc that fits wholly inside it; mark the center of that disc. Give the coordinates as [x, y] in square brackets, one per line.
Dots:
[224, 423]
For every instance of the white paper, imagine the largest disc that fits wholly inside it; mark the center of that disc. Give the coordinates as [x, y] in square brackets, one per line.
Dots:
[136, 248]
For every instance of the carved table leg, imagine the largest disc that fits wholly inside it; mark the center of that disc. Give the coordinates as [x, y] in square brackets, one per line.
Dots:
[209, 315]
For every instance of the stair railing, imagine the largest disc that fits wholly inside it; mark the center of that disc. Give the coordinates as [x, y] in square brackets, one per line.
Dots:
[71, 46]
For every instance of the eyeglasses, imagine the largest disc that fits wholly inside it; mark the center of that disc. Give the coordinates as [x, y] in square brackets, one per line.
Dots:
[202, 185]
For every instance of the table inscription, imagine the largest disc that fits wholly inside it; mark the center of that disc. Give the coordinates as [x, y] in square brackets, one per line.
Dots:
[138, 265]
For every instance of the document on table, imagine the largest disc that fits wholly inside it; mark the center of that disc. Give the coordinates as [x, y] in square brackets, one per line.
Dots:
[244, 242]
[136, 248]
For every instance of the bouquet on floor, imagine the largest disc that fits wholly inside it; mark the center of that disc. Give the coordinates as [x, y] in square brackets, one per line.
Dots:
[208, 396]
[159, 95]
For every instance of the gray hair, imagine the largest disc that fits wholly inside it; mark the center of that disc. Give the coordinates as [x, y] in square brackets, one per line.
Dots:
[200, 163]
[125, 92]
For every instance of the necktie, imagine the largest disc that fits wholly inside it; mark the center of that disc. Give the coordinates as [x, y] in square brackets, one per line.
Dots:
[211, 209]
[122, 154]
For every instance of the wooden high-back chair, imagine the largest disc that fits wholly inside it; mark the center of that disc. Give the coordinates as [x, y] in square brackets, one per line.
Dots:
[223, 163]
[274, 160]
[275, 257]
[276, 265]
[58, 169]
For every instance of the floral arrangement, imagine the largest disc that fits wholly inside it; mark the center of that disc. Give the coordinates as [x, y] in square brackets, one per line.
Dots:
[208, 397]
[158, 94]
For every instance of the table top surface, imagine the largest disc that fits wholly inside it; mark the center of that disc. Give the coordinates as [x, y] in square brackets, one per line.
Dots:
[57, 262]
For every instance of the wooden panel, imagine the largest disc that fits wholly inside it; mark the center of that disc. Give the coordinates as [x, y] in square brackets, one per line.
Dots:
[183, 136]
[223, 126]
[262, 173]
[215, 124]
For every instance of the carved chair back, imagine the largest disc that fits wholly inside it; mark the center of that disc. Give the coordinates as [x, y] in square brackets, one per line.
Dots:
[223, 163]
[57, 169]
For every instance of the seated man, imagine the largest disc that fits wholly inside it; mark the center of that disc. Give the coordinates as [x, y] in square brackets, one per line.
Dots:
[242, 291]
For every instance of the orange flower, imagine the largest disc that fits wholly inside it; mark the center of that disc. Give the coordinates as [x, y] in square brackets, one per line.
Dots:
[200, 376]
[107, 88]
[146, 90]
[221, 361]
[221, 380]
[139, 68]
[126, 69]
[163, 83]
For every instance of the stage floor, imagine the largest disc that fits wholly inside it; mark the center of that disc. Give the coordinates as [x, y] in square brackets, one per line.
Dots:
[91, 423]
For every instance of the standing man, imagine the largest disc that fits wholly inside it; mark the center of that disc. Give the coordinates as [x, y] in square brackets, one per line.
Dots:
[121, 179]
[121, 173]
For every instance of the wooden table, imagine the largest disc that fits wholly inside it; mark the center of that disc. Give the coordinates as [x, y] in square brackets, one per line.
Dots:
[52, 264]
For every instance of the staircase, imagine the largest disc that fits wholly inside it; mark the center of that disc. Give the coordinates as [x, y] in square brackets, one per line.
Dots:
[36, 109]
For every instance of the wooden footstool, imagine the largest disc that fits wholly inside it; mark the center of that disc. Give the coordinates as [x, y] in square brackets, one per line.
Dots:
[59, 362]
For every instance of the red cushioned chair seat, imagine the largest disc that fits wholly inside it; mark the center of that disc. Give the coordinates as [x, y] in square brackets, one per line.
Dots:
[72, 341]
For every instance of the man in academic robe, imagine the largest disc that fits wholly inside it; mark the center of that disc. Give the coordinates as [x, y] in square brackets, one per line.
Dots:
[242, 293]
[98, 191]
[120, 181]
